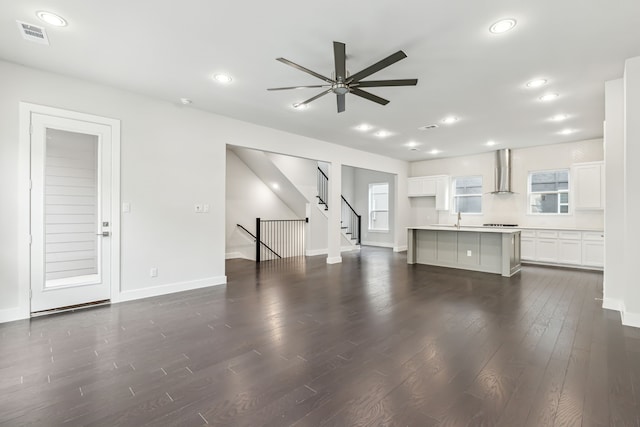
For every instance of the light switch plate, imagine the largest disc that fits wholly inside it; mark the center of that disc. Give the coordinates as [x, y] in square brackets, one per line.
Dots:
[198, 208]
[468, 253]
[205, 207]
[126, 207]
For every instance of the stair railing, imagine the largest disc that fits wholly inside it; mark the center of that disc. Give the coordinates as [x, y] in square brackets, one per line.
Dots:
[351, 221]
[323, 188]
[255, 239]
[282, 237]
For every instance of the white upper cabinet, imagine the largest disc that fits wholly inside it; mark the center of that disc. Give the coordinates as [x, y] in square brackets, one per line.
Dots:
[588, 185]
[424, 186]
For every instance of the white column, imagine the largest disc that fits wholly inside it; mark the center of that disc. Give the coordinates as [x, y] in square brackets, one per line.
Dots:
[631, 308]
[334, 235]
[614, 274]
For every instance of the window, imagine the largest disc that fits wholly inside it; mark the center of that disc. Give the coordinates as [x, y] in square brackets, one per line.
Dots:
[549, 192]
[467, 194]
[379, 207]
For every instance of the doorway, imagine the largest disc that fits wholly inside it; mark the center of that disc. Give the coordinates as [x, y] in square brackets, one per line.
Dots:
[74, 215]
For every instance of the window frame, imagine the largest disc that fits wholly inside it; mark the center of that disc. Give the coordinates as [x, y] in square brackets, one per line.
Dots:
[372, 211]
[454, 195]
[558, 192]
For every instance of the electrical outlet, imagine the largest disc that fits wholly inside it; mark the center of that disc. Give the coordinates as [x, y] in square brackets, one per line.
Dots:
[153, 272]
[198, 208]
[205, 208]
[468, 253]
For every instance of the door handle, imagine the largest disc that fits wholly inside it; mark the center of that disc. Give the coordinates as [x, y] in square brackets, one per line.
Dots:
[103, 234]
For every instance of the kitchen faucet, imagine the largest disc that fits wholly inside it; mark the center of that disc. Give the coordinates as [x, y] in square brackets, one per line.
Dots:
[459, 219]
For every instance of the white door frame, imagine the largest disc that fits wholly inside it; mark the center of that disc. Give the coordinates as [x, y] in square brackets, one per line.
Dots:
[24, 198]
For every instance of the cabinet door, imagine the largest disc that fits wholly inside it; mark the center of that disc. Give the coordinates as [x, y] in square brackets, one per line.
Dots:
[593, 253]
[547, 250]
[588, 185]
[442, 193]
[528, 249]
[429, 186]
[414, 187]
[570, 252]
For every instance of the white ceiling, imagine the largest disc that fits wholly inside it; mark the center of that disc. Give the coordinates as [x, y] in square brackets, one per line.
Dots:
[169, 50]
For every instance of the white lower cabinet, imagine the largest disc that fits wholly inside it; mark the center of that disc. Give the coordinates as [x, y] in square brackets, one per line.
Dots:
[547, 250]
[563, 247]
[569, 251]
[593, 249]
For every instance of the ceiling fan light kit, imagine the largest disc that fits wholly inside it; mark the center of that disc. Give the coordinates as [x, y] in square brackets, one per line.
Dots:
[342, 83]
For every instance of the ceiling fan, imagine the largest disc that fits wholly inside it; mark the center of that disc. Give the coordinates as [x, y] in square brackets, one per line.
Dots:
[342, 83]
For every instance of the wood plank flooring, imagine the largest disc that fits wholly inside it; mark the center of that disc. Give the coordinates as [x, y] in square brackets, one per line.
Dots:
[369, 342]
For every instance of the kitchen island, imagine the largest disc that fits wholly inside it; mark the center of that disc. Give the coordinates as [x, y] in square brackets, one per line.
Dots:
[486, 249]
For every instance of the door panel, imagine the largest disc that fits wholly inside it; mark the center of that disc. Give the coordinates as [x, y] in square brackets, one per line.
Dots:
[70, 206]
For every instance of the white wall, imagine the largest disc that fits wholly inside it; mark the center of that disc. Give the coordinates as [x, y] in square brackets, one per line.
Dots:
[631, 301]
[423, 211]
[172, 158]
[614, 268]
[247, 198]
[363, 178]
[349, 183]
[513, 208]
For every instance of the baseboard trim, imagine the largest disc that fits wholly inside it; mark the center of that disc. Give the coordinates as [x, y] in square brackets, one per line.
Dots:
[612, 304]
[315, 252]
[378, 244]
[334, 260]
[400, 248]
[12, 314]
[629, 318]
[236, 255]
[169, 289]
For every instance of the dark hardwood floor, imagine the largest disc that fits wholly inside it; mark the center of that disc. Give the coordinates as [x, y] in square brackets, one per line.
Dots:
[369, 342]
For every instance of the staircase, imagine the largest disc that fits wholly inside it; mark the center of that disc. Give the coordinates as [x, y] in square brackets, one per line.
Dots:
[351, 222]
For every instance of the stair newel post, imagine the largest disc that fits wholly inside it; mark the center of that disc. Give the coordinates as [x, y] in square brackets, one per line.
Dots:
[359, 228]
[257, 239]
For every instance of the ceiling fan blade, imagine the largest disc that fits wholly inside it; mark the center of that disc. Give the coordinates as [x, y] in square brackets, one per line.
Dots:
[298, 87]
[380, 83]
[369, 96]
[389, 60]
[340, 58]
[312, 98]
[306, 70]
[341, 106]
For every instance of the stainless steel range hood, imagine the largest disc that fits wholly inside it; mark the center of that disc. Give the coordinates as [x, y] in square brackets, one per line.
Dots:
[503, 172]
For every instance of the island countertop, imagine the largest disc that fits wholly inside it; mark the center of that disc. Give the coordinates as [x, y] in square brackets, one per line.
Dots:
[501, 230]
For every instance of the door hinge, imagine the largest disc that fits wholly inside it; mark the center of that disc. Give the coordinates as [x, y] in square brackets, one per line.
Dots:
[30, 239]
[30, 185]
[30, 294]
[30, 128]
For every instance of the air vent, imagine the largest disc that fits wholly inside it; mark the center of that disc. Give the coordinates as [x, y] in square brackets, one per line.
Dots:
[427, 127]
[33, 33]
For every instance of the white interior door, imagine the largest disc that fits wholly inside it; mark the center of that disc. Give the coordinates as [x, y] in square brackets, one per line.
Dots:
[70, 212]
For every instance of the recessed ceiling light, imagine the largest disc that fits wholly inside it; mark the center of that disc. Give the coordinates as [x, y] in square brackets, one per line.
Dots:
[449, 120]
[51, 18]
[300, 106]
[185, 101]
[364, 127]
[382, 134]
[434, 152]
[275, 186]
[491, 143]
[567, 131]
[549, 97]
[503, 25]
[559, 118]
[222, 78]
[412, 144]
[536, 83]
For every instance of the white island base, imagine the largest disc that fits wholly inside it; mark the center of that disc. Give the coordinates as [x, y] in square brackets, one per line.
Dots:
[489, 250]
